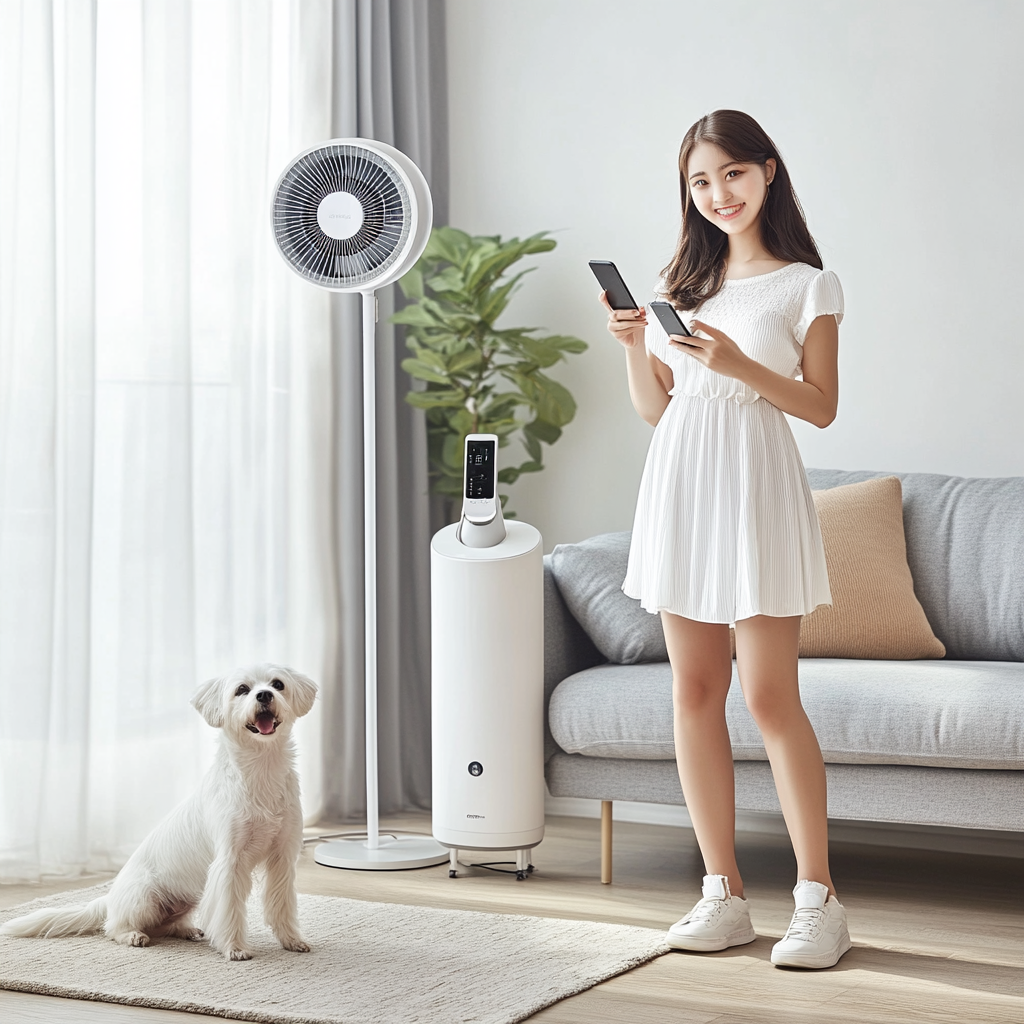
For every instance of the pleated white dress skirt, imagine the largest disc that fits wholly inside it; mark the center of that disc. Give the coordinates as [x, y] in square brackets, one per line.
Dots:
[725, 523]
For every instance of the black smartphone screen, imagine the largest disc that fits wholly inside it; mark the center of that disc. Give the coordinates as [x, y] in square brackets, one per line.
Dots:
[670, 319]
[480, 469]
[611, 281]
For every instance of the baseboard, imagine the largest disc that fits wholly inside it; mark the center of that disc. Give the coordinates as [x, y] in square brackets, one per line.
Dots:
[985, 842]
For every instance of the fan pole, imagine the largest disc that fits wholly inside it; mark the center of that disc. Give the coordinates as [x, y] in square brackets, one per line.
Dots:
[370, 562]
[364, 851]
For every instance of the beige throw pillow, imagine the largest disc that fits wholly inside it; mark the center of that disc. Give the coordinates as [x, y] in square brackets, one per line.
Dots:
[874, 611]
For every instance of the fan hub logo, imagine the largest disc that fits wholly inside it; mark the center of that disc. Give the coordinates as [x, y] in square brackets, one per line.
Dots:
[340, 215]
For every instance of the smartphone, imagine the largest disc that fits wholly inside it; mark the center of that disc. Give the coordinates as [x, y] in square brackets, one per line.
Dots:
[669, 318]
[611, 281]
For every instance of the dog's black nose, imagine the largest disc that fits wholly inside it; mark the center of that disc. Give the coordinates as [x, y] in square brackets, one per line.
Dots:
[265, 696]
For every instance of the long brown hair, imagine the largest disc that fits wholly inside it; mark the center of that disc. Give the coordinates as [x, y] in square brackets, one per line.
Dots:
[697, 270]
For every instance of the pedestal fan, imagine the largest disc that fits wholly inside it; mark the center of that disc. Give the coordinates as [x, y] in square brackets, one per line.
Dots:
[353, 215]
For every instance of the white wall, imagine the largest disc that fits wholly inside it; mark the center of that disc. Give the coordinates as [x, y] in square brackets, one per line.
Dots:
[900, 124]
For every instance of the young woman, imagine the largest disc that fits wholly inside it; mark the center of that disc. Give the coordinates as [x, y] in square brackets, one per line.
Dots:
[725, 528]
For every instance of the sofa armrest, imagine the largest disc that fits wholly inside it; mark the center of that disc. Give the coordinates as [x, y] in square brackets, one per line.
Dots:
[567, 648]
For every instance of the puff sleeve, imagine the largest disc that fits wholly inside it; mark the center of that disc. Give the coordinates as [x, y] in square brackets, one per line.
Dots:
[824, 295]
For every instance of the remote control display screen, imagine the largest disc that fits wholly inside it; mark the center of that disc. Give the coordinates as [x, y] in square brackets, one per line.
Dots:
[480, 469]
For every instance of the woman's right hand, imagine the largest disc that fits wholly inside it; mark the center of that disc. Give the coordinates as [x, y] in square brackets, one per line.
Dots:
[625, 325]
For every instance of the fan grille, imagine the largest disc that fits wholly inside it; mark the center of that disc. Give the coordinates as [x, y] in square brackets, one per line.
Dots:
[387, 216]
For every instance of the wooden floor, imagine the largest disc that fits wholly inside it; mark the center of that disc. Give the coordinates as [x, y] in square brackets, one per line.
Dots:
[937, 936]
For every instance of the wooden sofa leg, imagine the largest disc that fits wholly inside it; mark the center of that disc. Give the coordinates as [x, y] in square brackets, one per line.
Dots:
[606, 842]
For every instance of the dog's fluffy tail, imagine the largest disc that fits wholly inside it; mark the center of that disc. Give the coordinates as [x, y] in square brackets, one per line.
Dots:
[54, 922]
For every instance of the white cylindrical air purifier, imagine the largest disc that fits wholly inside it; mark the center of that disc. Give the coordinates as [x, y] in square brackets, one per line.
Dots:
[487, 673]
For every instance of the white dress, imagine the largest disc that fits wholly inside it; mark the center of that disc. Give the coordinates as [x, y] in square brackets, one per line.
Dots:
[725, 524]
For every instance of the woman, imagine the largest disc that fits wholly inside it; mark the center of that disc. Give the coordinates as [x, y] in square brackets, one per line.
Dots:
[725, 529]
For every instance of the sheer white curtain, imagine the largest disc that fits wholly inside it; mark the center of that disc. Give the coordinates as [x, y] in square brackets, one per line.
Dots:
[165, 403]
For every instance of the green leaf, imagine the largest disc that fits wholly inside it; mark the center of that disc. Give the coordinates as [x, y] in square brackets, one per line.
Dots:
[503, 428]
[466, 360]
[435, 399]
[416, 316]
[552, 401]
[412, 284]
[446, 243]
[510, 474]
[485, 252]
[483, 272]
[532, 445]
[565, 343]
[541, 353]
[494, 305]
[462, 421]
[421, 371]
[434, 360]
[449, 280]
[491, 268]
[502, 405]
[539, 243]
[542, 431]
[452, 453]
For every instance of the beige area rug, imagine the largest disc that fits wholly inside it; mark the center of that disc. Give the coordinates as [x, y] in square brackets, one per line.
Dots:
[372, 963]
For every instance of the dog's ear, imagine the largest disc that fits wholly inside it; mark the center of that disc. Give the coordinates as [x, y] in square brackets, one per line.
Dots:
[303, 690]
[207, 701]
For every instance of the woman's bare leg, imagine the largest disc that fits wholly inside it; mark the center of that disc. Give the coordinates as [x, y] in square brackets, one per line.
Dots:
[701, 673]
[766, 654]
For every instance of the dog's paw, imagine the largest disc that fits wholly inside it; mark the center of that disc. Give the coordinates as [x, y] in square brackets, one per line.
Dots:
[132, 939]
[193, 934]
[238, 954]
[295, 945]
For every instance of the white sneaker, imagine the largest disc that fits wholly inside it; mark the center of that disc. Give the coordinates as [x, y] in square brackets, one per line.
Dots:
[718, 921]
[817, 936]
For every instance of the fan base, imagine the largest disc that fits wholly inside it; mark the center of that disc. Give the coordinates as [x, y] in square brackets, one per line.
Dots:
[397, 851]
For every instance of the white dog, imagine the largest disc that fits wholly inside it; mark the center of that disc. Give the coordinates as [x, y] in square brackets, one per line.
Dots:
[201, 857]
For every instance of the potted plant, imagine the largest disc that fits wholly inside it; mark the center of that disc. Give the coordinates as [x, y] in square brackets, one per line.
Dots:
[479, 376]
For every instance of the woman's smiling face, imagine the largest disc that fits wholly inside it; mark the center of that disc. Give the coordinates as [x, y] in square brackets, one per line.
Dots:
[727, 192]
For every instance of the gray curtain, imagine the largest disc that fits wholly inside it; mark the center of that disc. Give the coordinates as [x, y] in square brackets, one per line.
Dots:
[389, 84]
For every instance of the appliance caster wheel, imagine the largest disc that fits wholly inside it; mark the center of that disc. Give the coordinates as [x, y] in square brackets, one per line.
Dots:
[453, 874]
[520, 876]
[529, 869]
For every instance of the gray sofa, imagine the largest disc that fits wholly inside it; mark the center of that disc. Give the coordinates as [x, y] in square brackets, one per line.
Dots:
[938, 742]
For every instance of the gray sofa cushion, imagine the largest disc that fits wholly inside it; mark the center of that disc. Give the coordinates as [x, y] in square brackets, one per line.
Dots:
[589, 577]
[567, 648]
[929, 713]
[965, 548]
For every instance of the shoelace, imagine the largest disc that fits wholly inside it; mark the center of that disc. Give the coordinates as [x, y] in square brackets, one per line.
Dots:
[705, 912]
[806, 924]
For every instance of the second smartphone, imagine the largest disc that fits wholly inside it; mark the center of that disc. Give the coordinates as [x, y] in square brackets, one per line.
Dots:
[670, 319]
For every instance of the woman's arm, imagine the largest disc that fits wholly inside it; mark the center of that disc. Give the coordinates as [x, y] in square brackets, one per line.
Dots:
[650, 380]
[814, 399]
[647, 383]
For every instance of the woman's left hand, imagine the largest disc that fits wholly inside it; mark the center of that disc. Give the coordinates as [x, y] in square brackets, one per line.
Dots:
[718, 352]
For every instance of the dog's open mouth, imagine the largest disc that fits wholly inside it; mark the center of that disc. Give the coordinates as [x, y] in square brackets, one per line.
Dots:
[266, 723]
